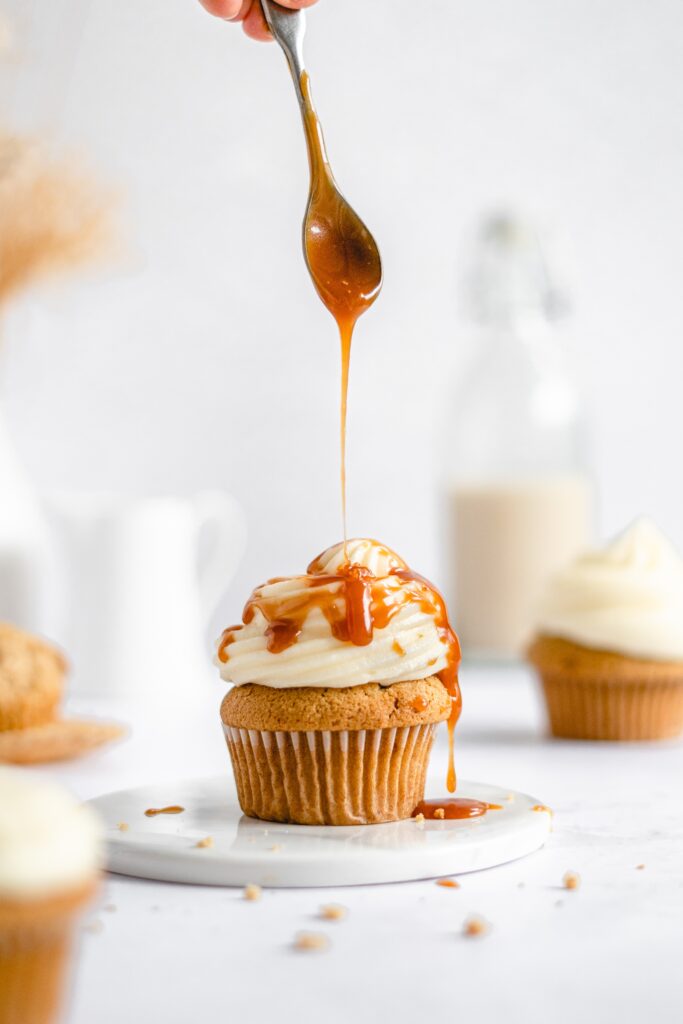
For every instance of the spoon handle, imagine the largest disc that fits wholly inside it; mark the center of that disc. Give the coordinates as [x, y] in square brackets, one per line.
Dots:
[288, 28]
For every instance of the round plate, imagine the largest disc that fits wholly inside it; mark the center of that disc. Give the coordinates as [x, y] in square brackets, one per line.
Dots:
[241, 850]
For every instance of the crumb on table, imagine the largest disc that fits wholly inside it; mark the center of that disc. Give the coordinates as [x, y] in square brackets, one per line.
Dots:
[123, 826]
[419, 818]
[205, 843]
[311, 941]
[252, 892]
[333, 912]
[571, 880]
[475, 926]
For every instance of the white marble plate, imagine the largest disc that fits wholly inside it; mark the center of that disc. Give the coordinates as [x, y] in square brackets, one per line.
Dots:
[246, 850]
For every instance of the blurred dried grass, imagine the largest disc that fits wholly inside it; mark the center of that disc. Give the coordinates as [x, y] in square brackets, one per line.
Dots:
[53, 217]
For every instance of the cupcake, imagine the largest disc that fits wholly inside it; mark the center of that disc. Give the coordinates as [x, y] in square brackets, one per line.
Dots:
[32, 730]
[609, 642]
[340, 678]
[49, 865]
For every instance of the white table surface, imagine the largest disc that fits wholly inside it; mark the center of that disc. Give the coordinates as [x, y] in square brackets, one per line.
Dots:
[609, 951]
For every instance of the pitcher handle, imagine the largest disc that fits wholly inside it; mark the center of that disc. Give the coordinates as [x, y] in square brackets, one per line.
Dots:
[224, 517]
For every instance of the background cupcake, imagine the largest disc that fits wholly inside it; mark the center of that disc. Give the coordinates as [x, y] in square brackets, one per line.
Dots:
[336, 697]
[32, 730]
[609, 643]
[49, 865]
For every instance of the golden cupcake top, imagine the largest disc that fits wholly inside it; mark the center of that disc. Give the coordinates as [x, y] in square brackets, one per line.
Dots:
[31, 678]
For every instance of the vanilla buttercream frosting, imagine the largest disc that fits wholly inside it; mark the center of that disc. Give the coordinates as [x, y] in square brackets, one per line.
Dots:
[48, 841]
[411, 645]
[626, 597]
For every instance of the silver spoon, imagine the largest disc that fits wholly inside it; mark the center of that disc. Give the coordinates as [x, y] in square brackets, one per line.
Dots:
[340, 252]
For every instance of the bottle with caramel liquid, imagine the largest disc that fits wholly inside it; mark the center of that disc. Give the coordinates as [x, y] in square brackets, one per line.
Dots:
[518, 498]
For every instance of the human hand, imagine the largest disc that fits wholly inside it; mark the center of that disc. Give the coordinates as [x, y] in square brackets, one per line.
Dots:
[250, 13]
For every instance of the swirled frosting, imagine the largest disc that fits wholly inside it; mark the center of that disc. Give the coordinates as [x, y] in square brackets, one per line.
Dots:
[48, 841]
[358, 616]
[626, 597]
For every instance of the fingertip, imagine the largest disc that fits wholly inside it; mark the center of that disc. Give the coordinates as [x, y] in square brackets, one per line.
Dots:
[255, 25]
[227, 9]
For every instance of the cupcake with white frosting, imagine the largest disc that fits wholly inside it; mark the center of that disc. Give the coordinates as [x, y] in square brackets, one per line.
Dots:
[609, 643]
[340, 677]
[50, 855]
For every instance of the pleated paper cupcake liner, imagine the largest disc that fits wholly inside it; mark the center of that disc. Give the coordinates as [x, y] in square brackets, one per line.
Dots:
[611, 710]
[350, 777]
[35, 955]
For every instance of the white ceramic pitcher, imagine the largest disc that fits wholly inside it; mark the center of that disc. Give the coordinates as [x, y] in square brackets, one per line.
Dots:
[134, 583]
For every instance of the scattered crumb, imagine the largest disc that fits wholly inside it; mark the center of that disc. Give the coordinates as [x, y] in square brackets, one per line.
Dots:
[204, 843]
[311, 941]
[275, 848]
[123, 826]
[111, 908]
[448, 883]
[440, 813]
[333, 912]
[252, 892]
[571, 880]
[475, 926]
[640, 867]
[542, 807]
[94, 927]
[419, 818]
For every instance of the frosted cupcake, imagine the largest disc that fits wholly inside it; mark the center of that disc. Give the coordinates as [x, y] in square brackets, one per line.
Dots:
[609, 643]
[340, 679]
[49, 864]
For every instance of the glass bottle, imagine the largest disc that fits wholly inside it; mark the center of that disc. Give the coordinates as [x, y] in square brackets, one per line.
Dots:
[518, 501]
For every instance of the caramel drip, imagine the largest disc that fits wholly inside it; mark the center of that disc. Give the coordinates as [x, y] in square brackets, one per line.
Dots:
[449, 808]
[152, 812]
[341, 255]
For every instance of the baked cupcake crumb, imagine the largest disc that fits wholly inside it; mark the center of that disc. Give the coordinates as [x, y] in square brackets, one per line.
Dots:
[571, 880]
[311, 941]
[440, 813]
[333, 912]
[252, 893]
[123, 826]
[205, 843]
[419, 819]
[476, 926]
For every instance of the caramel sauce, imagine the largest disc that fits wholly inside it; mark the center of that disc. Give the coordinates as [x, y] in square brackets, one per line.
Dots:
[152, 812]
[397, 649]
[495, 807]
[452, 807]
[341, 255]
[448, 883]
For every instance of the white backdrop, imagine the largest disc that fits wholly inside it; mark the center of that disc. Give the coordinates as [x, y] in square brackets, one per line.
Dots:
[205, 358]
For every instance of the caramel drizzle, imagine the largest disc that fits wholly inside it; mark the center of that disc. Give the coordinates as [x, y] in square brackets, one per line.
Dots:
[152, 812]
[341, 255]
[450, 808]
[354, 603]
